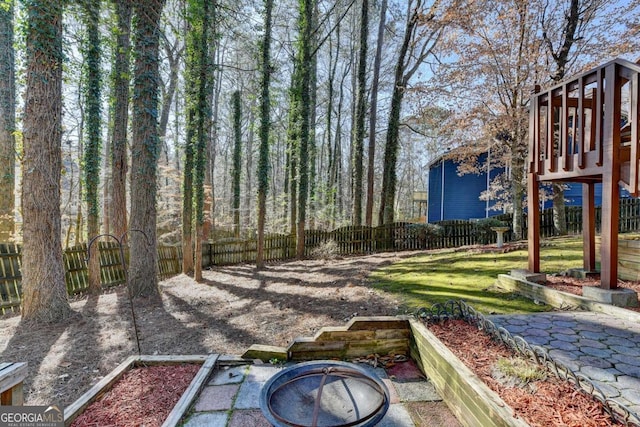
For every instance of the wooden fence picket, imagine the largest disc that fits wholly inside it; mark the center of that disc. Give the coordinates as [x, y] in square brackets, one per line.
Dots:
[348, 240]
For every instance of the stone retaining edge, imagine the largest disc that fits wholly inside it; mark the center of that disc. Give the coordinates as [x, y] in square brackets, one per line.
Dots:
[561, 300]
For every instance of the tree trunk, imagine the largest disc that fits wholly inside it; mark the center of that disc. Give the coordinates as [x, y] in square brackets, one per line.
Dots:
[197, 271]
[7, 125]
[338, 199]
[518, 190]
[263, 159]
[106, 177]
[358, 139]
[248, 182]
[392, 143]
[391, 146]
[330, 195]
[92, 133]
[313, 101]
[202, 130]
[120, 81]
[145, 147]
[559, 211]
[198, 113]
[373, 115]
[293, 134]
[187, 180]
[306, 17]
[237, 161]
[217, 57]
[173, 57]
[43, 277]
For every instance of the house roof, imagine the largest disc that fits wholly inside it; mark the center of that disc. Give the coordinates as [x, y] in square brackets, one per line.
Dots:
[456, 152]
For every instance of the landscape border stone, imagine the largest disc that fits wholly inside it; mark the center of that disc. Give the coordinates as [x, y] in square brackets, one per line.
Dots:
[559, 299]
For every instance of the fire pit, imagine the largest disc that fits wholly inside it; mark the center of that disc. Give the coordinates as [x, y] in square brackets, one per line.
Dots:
[322, 394]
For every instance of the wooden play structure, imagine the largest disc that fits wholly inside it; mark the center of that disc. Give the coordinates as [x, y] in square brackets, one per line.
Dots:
[585, 130]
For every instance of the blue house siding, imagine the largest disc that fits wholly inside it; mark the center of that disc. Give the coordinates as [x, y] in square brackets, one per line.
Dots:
[573, 194]
[434, 192]
[457, 197]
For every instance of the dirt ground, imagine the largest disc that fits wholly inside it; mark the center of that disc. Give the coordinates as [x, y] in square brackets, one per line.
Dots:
[234, 308]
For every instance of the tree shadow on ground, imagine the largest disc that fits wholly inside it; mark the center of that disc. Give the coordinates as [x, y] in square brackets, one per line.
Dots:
[20, 349]
[202, 324]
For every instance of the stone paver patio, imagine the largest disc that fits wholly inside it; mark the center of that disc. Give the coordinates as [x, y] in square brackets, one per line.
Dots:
[602, 347]
[231, 398]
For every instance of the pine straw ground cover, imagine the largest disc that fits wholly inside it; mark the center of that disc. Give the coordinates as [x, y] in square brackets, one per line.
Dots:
[534, 394]
[143, 396]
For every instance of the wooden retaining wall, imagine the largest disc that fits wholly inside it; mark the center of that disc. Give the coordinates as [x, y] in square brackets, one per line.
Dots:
[467, 396]
[628, 256]
[360, 337]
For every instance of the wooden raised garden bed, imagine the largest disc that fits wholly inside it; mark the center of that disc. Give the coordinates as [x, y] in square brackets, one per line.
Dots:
[467, 396]
[11, 377]
[103, 386]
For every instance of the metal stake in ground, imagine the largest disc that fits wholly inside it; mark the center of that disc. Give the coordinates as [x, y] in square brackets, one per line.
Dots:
[120, 242]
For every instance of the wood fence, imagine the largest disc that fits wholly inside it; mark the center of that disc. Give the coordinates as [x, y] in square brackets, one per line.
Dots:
[76, 269]
[280, 247]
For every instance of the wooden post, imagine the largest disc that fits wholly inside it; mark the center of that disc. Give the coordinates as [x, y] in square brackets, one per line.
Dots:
[533, 220]
[610, 179]
[633, 163]
[533, 190]
[589, 226]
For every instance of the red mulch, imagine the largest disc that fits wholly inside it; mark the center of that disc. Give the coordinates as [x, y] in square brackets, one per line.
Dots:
[144, 396]
[574, 285]
[554, 403]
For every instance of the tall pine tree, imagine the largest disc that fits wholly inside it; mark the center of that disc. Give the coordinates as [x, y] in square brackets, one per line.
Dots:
[145, 149]
[7, 123]
[92, 94]
[43, 277]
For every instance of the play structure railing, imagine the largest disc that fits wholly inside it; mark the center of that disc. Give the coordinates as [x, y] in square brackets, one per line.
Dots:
[573, 123]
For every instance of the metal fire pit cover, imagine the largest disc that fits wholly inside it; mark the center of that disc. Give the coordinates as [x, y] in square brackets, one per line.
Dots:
[323, 394]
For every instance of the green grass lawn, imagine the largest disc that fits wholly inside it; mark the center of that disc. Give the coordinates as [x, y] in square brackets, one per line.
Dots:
[438, 277]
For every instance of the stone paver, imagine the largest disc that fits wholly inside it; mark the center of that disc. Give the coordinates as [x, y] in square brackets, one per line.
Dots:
[396, 416]
[207, 419]
[602, 347]
[417, 392]
[248, 418]
[249, 395]
[216, 398]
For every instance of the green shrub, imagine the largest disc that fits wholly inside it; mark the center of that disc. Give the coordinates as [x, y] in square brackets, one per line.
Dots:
[482, 230]
[424, 231]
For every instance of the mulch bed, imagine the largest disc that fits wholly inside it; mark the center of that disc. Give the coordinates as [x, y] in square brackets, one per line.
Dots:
[550, 402]
[143, 396]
